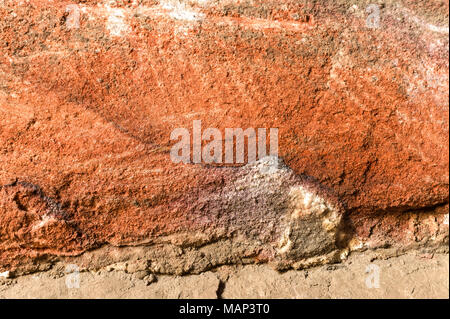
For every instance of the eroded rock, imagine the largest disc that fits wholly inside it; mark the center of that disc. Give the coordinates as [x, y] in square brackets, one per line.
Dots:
[90, 92]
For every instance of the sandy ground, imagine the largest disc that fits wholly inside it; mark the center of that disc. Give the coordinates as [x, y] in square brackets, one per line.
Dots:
[363, 275]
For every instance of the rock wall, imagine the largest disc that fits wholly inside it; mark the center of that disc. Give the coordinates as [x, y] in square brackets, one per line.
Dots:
[90, 92]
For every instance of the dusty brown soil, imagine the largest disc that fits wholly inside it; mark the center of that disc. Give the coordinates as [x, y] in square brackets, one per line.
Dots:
[413, 275]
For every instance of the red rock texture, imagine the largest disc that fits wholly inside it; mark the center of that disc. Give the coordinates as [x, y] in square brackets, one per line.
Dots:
[88, 100]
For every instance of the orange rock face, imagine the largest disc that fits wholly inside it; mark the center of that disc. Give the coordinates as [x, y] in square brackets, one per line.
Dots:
[90, 92]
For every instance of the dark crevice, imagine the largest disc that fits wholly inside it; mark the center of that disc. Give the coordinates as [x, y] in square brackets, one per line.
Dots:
[220, 289]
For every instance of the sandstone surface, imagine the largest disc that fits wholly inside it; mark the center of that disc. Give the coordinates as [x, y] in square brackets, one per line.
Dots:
[90, 92]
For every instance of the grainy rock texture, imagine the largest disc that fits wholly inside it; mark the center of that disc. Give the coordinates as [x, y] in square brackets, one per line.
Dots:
[90, 92]
[367, 275]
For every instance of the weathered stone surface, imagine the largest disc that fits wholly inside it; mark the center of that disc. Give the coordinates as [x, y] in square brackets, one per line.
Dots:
[111, 285]
[414, 275]
[90, 91]
[406, 276]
